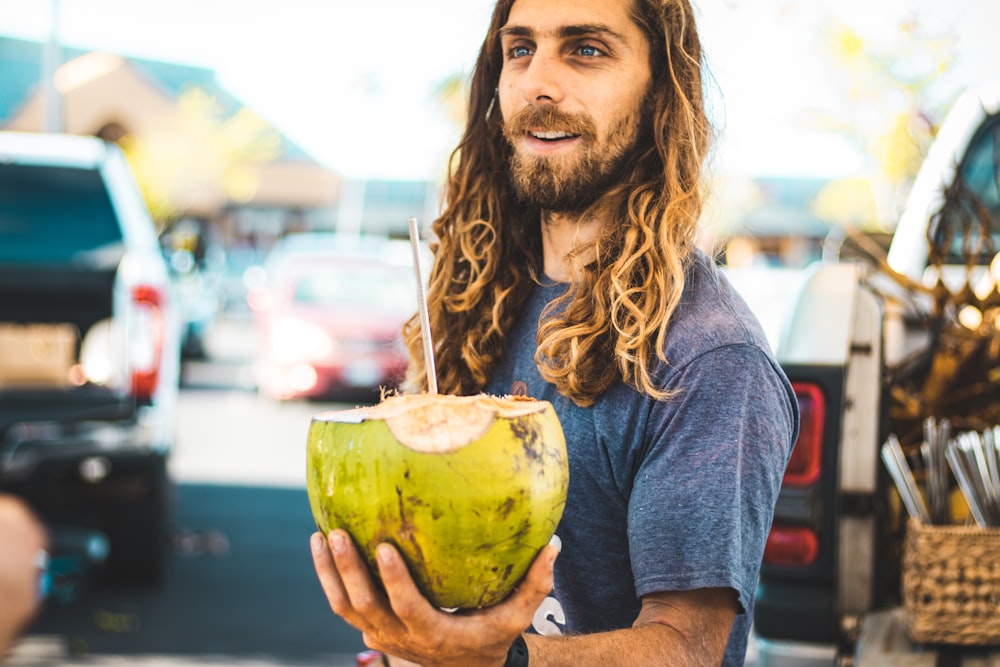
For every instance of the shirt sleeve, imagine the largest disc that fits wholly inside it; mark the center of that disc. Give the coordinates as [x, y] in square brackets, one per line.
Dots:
[704, 494]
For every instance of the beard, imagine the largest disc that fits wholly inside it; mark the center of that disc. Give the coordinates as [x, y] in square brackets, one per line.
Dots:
[571, 183]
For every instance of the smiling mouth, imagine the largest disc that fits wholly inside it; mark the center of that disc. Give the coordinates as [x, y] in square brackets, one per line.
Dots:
[552, 135]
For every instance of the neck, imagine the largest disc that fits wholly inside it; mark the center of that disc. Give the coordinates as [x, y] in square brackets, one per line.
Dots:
[568, 242]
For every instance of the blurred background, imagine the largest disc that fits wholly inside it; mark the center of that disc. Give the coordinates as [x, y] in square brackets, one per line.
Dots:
[246, 123]
[249, 123]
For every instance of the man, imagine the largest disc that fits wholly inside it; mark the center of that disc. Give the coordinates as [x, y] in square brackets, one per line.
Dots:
[566, 266]
[22, 542]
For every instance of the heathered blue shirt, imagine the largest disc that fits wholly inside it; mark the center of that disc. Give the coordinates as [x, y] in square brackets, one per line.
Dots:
[667, 495]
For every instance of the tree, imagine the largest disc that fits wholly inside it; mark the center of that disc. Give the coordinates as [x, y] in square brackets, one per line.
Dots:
[196, 159]
[888, 80]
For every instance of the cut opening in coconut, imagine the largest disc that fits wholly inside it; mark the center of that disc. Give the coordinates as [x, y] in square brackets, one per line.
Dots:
[438, 423]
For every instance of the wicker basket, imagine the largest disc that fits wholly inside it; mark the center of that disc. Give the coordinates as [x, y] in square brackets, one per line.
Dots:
[951, 584]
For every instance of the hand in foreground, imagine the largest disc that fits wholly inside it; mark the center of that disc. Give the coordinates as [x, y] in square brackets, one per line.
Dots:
[22, 540]
[401, 622]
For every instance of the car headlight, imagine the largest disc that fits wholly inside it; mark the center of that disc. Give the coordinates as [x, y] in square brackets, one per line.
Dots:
[294, 340]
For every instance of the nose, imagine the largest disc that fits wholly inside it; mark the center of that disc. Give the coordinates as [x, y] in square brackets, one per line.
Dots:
[543, 81]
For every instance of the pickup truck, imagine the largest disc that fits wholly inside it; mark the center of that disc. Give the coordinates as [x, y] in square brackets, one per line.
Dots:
[874, 344]
[89, 356]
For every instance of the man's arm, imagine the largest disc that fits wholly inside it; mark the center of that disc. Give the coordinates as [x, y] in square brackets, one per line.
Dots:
[673, 628]
[684, 628]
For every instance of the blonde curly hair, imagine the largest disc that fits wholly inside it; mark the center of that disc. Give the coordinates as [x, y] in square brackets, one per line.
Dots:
[613, 323]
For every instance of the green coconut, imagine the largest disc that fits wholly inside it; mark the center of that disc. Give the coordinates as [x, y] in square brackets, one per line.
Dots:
[468, 489]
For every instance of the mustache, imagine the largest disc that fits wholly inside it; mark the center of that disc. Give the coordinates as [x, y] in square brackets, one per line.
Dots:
[547, 118]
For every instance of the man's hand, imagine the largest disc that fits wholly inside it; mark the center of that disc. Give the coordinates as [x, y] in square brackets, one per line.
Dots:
[401, 622]
[22, 540]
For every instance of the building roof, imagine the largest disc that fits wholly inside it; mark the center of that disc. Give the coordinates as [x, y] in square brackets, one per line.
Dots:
[21, 65]
[21, 72]
[101, 90]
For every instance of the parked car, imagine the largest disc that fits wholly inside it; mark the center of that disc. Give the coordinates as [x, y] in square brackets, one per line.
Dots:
[196, 260]
[199, 302]
[330, 315]
[89, 349]
[241, 272]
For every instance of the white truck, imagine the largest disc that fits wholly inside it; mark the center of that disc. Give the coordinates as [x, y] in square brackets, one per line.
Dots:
[89, 358]
[873, 348]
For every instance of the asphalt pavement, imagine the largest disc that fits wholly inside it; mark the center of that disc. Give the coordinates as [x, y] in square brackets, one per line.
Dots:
[241, 589]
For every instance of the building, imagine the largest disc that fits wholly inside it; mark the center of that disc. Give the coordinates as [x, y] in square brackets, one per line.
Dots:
[112, 96]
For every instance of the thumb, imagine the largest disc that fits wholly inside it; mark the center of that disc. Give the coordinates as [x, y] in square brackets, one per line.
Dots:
[537, 582]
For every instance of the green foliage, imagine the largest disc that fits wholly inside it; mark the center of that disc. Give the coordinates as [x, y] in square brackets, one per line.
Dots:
[196, 159]
[886, 78]
[889, 82]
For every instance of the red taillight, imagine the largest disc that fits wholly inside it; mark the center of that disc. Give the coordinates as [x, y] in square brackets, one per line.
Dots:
[791, 545]
[806, 460]
[146, 340]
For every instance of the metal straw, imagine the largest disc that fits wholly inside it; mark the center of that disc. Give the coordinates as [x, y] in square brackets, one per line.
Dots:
[936, 436]
[966, 484]
[986, 440]
[978, 451]
[895, 462]
[425, 320]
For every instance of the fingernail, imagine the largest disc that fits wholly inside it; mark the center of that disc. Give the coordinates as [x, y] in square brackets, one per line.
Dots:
[316, 542]
[337, 542]
[384, 553]
[556, 542]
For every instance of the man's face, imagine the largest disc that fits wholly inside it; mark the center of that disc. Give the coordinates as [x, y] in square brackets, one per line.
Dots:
[572, 88]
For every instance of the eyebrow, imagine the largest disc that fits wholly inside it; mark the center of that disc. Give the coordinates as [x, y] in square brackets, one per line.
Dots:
[564, 32]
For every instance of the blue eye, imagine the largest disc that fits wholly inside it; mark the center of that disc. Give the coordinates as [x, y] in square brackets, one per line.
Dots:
[590, 51]
[519, 51]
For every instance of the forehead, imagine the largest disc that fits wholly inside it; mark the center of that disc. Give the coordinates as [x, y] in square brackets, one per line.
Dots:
[551, 17]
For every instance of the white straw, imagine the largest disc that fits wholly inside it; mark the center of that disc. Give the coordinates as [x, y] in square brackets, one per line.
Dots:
[425, 320]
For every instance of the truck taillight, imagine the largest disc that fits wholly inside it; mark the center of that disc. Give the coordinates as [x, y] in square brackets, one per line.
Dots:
[793, 540]
[791, 545]
[806, 461]
[146, 340]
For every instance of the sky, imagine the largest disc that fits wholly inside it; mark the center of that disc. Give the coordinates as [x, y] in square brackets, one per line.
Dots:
[353, 82]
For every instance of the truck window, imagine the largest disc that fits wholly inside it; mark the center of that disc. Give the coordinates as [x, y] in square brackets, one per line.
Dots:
[55, 215]
[968, 224]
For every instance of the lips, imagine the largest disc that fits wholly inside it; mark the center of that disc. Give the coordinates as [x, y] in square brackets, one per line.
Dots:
[552, 135]
[547, 130]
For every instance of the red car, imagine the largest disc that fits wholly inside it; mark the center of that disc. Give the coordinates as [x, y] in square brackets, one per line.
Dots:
[330, 317]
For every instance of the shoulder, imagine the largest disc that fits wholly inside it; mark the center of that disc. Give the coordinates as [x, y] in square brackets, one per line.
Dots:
[711, 316]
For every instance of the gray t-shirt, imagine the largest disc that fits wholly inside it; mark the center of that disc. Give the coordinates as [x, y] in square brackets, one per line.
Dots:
[670, 495]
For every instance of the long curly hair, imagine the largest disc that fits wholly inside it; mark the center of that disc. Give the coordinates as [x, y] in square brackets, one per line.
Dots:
[613, 322]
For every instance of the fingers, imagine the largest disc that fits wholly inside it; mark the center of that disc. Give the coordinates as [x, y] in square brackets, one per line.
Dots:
[357, 581]
[402, 622]
[329, 578]
[537, 583]
[408, 603]
[352, 593]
